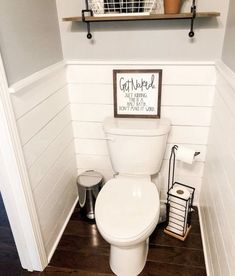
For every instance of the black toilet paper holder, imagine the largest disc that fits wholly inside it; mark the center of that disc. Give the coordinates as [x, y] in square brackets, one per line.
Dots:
[179, 224]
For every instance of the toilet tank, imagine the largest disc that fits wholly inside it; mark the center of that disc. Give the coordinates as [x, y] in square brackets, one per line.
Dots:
[136, 146]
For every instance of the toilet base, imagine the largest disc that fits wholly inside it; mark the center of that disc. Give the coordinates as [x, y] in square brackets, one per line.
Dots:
[128, 261]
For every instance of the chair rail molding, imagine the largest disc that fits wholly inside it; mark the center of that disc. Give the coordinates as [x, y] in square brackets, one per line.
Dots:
[15, 187]
[39, 76]
[226, 72]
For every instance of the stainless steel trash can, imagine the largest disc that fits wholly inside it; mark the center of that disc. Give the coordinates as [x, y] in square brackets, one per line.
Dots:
[89, 184]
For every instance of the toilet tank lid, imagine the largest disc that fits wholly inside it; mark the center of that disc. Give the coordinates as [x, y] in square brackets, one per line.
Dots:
[137, 126]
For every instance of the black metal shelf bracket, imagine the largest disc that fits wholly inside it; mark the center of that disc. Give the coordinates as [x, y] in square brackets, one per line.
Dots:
[87, 12]
[194, 12]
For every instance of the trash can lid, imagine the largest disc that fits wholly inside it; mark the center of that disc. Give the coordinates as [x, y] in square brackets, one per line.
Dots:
[89, 178]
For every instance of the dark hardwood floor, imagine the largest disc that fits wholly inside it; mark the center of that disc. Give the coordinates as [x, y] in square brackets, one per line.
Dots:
[82, 251]
[9, 260]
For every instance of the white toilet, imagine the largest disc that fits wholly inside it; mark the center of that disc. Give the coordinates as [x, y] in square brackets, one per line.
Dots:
[127, 208]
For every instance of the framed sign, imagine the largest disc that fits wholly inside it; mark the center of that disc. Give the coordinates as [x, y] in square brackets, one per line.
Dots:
[137, 93]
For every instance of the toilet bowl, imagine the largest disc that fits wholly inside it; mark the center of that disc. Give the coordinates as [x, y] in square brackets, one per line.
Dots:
[127, 208]
[127, 212]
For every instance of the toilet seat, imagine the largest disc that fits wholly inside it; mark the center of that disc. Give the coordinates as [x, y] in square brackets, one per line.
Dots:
[127, 210]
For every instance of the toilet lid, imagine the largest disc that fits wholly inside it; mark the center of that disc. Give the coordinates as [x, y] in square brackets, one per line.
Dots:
[125, 208]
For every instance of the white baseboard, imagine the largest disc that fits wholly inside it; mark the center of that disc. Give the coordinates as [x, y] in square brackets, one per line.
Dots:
[62, 231]
[206, 250]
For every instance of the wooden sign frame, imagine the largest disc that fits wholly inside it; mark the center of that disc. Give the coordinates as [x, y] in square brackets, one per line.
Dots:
[137, 93]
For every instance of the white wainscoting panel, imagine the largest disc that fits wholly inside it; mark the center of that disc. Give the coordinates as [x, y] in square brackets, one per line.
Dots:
[187, 99]
[42, 110]
[217, 199]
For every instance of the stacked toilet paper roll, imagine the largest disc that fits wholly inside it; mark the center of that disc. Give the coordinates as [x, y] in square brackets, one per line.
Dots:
[185, 154]
[179, 207]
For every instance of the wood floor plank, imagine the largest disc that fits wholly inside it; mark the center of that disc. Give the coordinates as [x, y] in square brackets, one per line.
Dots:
[10, 268]
[165, 269]
[176, 255]
[50, 271]
[89, 261]
[81, 229]
[6, 236]
[78, 244]
[158, 237]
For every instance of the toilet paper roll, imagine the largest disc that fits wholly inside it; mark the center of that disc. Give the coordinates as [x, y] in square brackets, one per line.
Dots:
[185, 154]
[178, 212]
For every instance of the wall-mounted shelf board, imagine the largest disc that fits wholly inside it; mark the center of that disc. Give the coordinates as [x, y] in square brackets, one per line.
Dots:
[142, 17]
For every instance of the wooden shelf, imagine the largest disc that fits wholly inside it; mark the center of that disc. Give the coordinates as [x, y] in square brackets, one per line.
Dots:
[142, 17]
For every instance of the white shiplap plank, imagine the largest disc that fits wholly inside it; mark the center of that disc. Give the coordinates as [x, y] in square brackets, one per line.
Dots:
[177, 75]
[64, 210]
[191, 116]
[185, 95]
[90, 130]
[53, 175]
[41, 141]
[223, 143]
[95, 93]
[91, 146]
[192, 181]
[36, 119]
[62, 203]
[63, 177]
[178, 134]
[226, 91]
[95, 162]
[222, 209]
[43, 164]
[99, 147]
[103, 162]
[180, 95]
[200, 148]
[188, 135]
[34, 94]
[184, 169]
[91, 112]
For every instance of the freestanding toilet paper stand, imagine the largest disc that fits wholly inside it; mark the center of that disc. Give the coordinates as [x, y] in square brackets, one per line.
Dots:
[179, 203]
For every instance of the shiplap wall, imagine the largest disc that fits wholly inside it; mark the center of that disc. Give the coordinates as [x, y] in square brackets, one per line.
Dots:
[187, 99]
[217, 200]
[43, 118]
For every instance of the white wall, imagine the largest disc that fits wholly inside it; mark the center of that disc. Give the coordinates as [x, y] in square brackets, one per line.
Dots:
[152, 40]
[29, 37]
[187, 99]
[217, 200]
[42, 112]
[229, 42]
